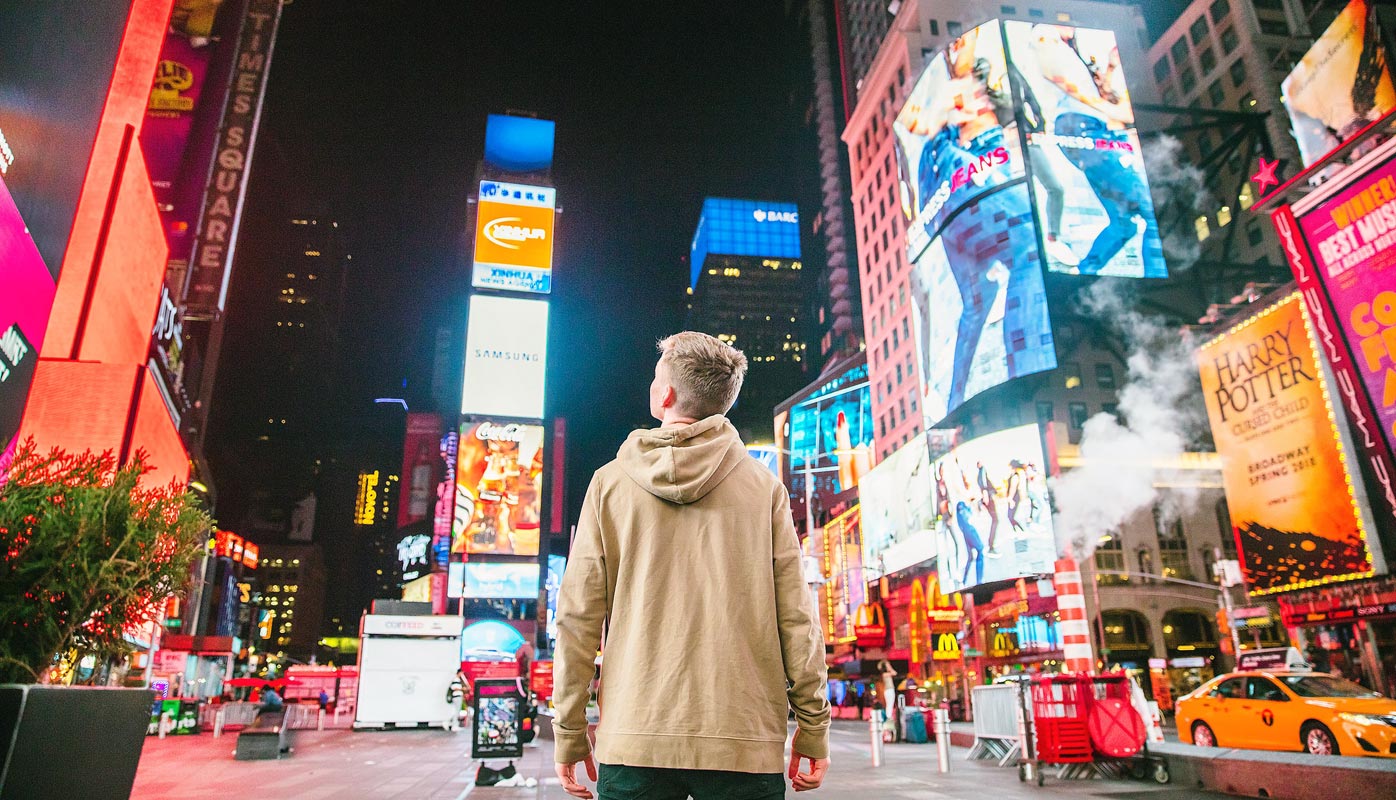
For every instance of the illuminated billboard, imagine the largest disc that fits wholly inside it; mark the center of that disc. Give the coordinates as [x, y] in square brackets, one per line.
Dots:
[514, 237]
[976, 279]
[841, 563]
[1083, 152]
[732, 227]
[1342, 84]
[493, 580]
[421, 459]
[366, 498]
[557, 565]
[993, 521]
[506, 356]
[953, 143]
[828, 436]
[59, 60]
[898, 515]
[24, 307]
[1288, 482]
[499, 489]
[519, 144]
[1347, 274]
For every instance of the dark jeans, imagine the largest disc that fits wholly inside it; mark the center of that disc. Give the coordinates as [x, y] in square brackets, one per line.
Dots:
[619, 782]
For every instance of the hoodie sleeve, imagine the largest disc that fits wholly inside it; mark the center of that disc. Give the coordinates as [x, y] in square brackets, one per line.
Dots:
[801, 640]
[581, 611]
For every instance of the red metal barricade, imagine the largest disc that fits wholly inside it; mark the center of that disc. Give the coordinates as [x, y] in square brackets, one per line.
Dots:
[1060, 707]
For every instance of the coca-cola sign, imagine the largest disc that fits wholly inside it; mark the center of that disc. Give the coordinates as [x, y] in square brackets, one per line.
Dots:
[492, 432]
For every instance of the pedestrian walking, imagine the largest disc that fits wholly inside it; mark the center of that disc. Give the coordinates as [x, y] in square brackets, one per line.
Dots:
[687, 556]
[324, 699]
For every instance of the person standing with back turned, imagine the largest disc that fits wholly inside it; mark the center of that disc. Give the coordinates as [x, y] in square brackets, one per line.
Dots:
[686, 554]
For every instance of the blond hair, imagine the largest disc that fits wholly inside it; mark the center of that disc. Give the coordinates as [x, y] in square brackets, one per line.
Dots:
[706, 373]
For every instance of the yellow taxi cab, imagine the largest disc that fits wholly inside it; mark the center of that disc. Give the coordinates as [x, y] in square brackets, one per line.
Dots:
[1288, 707]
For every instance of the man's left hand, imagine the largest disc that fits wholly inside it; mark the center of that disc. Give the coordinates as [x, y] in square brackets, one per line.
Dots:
[567, 774]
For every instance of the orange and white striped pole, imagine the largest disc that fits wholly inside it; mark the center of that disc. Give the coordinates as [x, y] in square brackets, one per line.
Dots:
[1072, 624]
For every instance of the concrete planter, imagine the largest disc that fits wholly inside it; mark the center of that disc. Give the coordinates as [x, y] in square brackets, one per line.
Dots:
[61, 741]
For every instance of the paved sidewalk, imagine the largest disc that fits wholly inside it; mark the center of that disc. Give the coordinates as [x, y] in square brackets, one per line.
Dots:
[406, 764]
[434, 765]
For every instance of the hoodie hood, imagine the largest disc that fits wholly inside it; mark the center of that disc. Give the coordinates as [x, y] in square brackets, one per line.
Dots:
[682, 464]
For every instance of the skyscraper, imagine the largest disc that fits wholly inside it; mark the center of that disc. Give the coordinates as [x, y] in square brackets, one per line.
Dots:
[747, 287]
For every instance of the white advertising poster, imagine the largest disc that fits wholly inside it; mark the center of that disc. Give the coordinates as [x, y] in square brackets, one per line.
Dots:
[898, 514]
[993, 518]
[506, 355]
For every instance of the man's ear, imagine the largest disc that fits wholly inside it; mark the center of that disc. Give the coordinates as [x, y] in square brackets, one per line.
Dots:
[670, 397]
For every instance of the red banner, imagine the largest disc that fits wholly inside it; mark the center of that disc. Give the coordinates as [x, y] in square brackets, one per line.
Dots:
[475, 670]
[540, 679]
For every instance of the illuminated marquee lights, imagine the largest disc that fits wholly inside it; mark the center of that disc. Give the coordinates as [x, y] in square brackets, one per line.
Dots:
[1333, 430]
[366, 502]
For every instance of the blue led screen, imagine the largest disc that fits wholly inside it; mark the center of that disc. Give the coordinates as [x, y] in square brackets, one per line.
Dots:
[519, 144]
[744, 228]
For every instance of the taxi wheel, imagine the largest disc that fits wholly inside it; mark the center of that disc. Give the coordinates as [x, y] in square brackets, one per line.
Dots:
[1318, 740]
[1202, 735]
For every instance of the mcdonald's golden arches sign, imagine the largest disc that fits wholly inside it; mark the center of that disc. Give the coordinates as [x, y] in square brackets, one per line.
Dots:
[870, 625]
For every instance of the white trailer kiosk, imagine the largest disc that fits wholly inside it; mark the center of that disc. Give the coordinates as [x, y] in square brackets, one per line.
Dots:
[406, 667]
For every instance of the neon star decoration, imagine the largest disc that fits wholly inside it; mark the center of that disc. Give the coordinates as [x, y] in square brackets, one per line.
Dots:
[1265, 177]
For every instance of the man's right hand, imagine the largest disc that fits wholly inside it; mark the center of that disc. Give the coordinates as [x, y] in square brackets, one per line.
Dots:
[804, 781]
[567, 775]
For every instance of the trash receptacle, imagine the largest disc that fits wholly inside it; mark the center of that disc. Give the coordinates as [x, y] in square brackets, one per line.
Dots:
[914, 725]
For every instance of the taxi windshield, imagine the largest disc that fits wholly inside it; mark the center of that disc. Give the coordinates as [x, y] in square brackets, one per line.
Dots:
[1325, 686]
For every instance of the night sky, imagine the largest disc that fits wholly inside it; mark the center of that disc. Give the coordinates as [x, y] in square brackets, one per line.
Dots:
[375, 115]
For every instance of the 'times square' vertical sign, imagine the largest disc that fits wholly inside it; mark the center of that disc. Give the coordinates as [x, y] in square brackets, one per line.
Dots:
[213, 251]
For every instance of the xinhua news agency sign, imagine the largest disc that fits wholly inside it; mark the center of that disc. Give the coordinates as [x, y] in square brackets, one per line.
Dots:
[207, 288]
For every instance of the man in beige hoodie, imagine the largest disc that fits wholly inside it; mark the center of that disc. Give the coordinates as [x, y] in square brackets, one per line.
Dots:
[686, 556]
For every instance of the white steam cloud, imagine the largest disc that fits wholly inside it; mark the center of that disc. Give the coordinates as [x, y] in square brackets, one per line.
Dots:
[1179, 191]
[1121, 457]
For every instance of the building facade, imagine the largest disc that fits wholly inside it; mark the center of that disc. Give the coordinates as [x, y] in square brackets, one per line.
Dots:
[1231, 56]
[289, 613]
[748, 288]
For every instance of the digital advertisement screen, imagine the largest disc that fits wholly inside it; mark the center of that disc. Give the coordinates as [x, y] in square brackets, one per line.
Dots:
[487, 639]
[421, 463]
[57, 63]
[514, 237]
[898, 515]
[993, 521]
[980, 304]
[1288, 485]
[976, 279]
[1342, 84]
[180, 80]
[557, 565]
[506, 357]
[731, 227]
[499, 489]
[830, 437]
[840, 554]
[519, 144]
[493, 580]
[956, 136]
[1353, 241]
[25, 301]
[1083, 151]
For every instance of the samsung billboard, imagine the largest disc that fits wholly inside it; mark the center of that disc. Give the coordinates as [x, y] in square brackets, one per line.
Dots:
[506, 354]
